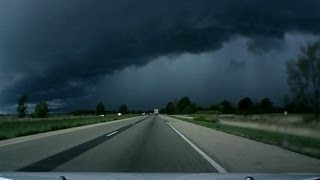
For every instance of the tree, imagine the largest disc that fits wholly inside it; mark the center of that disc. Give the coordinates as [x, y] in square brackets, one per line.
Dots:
[257, 108]
[226, 107]
[267, 105]
[187, 110]
[245, 105]
[170, 108]
[22, 106]
[294, 106]
[123, 109]
[195, 108]
[100, 109]
[303, 76]
[183, 103]
[41, 109]
[162, 111]
[215, 107]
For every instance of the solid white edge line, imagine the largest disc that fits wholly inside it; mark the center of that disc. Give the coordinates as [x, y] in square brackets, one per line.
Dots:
[112, 133]
[314, 178]
[4, 178]
[219, 168]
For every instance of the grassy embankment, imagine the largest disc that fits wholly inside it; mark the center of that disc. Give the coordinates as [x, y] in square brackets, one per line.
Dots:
[300, 144]
[22, 127]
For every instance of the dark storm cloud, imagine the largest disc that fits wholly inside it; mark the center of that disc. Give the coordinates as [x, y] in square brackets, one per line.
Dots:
[259, 45]
[60, 49]
[237, 64]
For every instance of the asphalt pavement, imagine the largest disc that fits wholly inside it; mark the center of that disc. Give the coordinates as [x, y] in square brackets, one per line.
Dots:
[144, 144]
[154, 144]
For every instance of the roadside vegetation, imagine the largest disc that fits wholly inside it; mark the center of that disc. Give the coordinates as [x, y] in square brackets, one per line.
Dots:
[100, 109]
[300, 144]
[41, 110]
[22, 106]
[123, 109]
[28, 126]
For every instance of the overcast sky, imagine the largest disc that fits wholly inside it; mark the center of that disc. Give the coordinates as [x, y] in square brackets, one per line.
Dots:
[145, 53]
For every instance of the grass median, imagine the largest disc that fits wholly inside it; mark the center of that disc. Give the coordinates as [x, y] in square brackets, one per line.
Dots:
[300, 144]
[12, 129]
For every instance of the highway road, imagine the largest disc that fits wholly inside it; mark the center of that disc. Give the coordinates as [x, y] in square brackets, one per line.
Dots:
[137, 145]
[147, 144]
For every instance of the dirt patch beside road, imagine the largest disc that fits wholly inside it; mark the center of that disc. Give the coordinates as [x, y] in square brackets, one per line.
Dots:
[300, 131]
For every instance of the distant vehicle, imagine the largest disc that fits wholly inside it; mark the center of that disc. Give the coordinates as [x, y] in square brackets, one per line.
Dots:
[156, 111]
[119, 114]
[143, 114]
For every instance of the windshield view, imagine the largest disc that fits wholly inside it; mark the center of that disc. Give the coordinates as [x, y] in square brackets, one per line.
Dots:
[144, 89]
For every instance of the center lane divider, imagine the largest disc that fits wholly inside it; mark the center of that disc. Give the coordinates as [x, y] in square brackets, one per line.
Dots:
[60, 158]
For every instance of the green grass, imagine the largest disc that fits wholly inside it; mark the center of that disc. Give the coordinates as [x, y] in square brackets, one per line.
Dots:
[300, 144]
[11, 129]
[208, 112]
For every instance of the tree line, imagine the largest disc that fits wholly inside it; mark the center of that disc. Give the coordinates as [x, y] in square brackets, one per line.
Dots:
[100, 109]
[245, 106]
[41, 109]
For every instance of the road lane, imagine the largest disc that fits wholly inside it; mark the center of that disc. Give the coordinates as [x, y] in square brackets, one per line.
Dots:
[237, 154]
[19, 155]
[213, 163]
[53, 161]
[150, 146]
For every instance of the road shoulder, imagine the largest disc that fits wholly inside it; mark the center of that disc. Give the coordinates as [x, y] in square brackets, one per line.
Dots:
[237, 154]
